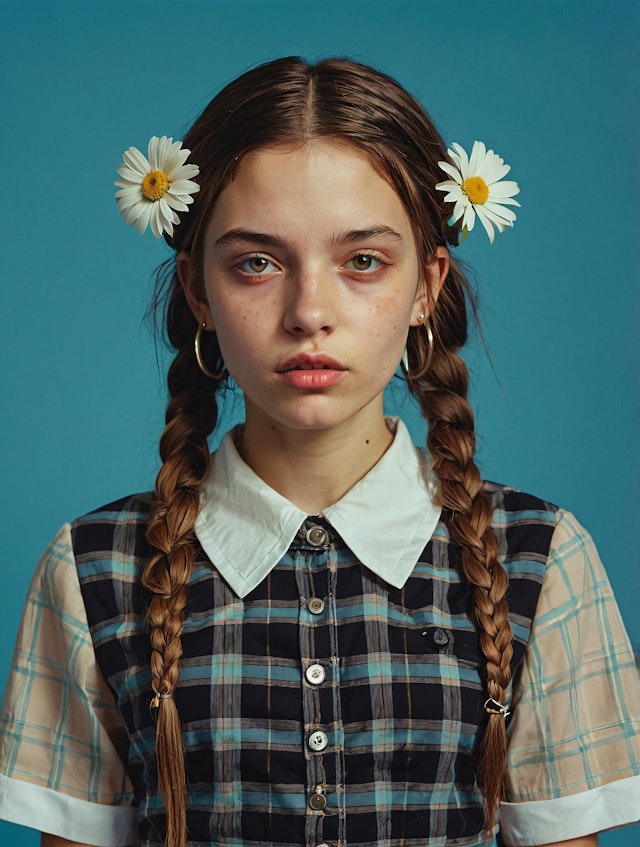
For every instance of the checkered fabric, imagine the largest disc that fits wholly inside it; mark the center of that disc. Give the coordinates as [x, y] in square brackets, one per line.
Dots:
[381, 752]
[326, 706]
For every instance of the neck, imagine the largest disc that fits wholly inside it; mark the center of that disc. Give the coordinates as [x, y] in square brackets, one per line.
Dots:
[314, 468]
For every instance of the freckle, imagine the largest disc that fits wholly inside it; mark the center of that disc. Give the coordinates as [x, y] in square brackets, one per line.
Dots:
[366, 441]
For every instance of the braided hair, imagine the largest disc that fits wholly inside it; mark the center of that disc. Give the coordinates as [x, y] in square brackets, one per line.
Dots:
[288, 100]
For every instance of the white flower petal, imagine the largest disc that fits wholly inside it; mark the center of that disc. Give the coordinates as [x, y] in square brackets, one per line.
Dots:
[154, 142]
[175, 161]
[469, 218]
[137, 211]
[478, 153]
[184, 186]
[504, 201]
[126, 183]
[450, 186]
[459, 210]
[167, 149]
[501, 212]
[492, 171]
[130, 214]
[185, 172]
[486, 223]
[157, 226]
[454, 197]
[124, 201]
[503, 189]
[130, 175]
[166, 212]
[128, 189]
[451, 171]
[459, 156]
[136, 161]
[175, 203]
[142, 221]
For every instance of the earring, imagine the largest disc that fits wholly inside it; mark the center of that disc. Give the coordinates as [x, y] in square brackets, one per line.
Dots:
[196, 345]
[426, 363]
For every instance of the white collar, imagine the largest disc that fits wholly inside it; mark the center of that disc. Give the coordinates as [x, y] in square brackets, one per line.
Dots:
[386, 519]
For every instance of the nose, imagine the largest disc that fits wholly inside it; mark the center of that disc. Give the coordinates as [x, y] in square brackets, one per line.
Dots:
[311, 303]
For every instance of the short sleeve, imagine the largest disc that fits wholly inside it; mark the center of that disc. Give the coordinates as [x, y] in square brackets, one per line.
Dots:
[573, 760]
[63, 746]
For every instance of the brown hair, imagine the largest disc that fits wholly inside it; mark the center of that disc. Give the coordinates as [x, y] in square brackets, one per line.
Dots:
[288, 100]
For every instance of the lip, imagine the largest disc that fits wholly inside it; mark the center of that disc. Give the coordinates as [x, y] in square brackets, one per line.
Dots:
[311, 371]
[309, 362]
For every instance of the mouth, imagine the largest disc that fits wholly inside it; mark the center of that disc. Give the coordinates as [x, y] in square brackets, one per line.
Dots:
[311, 368]
[311, 372]
[310, 362]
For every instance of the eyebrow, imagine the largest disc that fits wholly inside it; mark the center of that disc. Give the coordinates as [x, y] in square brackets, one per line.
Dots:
[235, 235]
[364, 234]
[266, 240]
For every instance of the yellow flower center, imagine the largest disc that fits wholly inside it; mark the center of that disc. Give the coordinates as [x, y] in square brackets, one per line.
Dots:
[476, 189]
[155, 185]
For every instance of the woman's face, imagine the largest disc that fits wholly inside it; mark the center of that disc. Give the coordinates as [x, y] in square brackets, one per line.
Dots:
[311, 281]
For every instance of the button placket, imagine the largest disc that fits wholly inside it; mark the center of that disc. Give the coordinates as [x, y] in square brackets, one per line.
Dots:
[316, 648]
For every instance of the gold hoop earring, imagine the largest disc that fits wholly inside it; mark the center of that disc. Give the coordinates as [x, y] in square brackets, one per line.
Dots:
[196, 345]
[426, 363]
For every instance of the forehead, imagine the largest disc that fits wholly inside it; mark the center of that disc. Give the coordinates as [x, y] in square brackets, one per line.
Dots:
[320, 184]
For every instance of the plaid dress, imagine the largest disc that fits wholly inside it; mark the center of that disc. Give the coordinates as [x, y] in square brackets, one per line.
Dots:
[325, 707]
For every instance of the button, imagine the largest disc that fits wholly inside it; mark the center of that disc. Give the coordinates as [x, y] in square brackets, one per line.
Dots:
[315, 674]
[318, 802]
[315, 606]
[317, 742]
[317, 536]
[440, 637]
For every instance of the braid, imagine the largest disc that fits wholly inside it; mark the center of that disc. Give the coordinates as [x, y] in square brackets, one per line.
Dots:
[291, 101]
[442, 394]
[191, 416]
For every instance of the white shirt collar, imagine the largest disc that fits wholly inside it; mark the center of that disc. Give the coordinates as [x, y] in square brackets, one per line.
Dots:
[386, 519]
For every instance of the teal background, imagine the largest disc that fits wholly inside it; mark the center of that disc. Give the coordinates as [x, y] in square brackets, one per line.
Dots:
[551, 86]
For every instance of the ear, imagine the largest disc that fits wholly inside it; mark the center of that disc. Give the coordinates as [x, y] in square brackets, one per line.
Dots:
[193, 289]
[433, 278]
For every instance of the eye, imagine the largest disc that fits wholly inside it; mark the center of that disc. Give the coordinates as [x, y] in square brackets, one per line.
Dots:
[256, 265]
[364, 262]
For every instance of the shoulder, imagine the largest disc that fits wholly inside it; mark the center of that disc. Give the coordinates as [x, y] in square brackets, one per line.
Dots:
[517, 512]
[512, 503]
[115, 531]
[552, 545]
[132, 507]
[524, 525]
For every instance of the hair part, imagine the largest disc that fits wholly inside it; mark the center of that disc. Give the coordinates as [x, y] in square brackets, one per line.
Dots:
[283, 102]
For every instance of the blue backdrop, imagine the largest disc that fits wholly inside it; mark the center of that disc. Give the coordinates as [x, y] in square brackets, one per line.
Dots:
[548, 85]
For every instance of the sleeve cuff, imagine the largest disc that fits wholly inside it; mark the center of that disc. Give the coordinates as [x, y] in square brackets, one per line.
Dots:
[547, 821]
[58, 814]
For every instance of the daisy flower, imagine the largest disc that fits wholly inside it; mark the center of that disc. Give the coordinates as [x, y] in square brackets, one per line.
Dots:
[152, 189]
[477, 188]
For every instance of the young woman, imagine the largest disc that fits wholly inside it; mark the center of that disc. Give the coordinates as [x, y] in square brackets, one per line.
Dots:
[319, 635]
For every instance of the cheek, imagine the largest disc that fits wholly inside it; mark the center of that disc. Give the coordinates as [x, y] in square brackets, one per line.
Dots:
[235, 333]
[390, 318]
